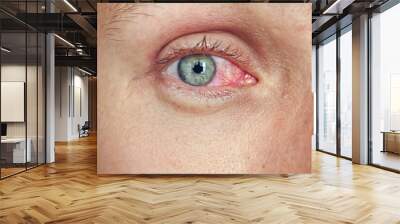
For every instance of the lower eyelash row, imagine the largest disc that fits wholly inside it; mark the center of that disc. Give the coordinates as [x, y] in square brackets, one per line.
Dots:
[205, 93]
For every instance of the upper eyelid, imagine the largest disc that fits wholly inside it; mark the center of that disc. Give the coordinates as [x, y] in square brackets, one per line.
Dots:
[204, 46]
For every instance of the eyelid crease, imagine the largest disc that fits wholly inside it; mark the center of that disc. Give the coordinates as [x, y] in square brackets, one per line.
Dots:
[203, 47]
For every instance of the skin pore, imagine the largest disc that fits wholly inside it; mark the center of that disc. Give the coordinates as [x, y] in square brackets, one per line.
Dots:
[260, 124]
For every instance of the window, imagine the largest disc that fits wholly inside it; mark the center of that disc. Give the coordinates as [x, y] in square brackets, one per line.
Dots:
[346, 92]
[327, 96]
[385, 89]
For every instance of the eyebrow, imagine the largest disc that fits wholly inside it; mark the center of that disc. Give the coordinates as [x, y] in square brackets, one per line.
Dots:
[117, 13]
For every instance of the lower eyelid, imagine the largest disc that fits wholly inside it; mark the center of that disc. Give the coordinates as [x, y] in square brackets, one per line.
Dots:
[195, 96]
[201, 91]
[204, 99]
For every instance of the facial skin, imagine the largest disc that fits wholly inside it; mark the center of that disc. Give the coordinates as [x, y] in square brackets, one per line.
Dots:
[255, 116]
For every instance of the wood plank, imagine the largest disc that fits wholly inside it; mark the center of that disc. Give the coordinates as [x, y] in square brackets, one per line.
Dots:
[69, 191]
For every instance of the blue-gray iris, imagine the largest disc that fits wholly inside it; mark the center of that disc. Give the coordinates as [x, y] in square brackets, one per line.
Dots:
[196, 70]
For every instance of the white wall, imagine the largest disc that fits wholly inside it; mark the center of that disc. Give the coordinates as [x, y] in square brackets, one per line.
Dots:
[62, 82]
[80, 84]
[70, 83]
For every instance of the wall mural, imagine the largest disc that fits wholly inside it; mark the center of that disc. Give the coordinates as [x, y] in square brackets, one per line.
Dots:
[204, 88]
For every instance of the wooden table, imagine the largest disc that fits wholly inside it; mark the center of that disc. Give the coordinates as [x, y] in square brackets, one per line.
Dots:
[391, 141]
[13, 150]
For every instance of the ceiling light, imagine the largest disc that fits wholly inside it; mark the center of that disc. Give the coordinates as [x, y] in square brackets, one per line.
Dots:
[5, 50]
[70, 5]
[80, 51]
[65, 41]
[337, 7]
[84, 71]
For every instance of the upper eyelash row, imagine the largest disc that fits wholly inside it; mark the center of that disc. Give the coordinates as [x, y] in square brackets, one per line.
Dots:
[203, 46]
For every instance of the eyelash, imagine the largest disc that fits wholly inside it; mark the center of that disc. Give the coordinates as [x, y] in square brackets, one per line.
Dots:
[205, 46]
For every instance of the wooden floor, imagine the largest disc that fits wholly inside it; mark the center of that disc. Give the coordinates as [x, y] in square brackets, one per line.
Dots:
[5, 172]
[69, 191]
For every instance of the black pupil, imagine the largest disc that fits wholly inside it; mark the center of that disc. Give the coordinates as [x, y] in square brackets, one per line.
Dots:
[198, 68]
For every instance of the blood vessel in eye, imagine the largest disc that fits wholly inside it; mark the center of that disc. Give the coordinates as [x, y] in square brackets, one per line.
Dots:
[228, 74]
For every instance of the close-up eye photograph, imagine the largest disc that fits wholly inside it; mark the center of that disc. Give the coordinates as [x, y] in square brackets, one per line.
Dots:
[204, 88]
[158, 111]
